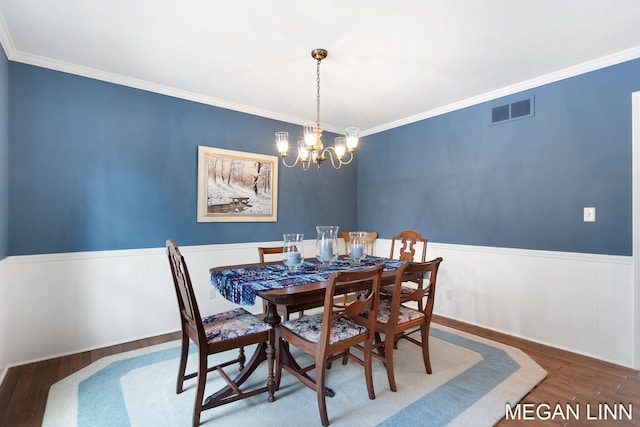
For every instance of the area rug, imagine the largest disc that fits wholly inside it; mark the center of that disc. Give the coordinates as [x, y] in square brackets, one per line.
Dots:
[473, 381]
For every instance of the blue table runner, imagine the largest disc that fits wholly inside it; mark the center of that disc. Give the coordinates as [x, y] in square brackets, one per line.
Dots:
[241, 285]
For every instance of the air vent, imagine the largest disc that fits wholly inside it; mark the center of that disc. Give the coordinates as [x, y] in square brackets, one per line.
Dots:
[515, 110]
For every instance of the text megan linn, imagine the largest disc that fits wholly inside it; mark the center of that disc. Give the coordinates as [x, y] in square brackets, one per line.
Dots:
[570, 411]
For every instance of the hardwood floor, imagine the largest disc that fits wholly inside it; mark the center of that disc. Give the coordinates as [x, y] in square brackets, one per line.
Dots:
[572, 380]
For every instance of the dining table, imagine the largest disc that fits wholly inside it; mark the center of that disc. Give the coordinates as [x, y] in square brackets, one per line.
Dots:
[297, 290]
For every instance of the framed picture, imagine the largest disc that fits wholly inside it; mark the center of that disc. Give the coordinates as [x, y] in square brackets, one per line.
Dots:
[235, 186]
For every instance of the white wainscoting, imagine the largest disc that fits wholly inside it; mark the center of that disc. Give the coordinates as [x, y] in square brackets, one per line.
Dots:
[579, 302]
[65, 303]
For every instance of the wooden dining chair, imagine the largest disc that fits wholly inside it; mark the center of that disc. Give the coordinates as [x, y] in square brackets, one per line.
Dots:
[328, 335]
[267, 251]
[404, 247]
[396, 319]
[406, 242]
[370, 239]
[220, 332]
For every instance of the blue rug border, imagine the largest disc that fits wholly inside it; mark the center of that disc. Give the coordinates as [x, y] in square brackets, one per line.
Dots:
[108, 408]
[496, 366]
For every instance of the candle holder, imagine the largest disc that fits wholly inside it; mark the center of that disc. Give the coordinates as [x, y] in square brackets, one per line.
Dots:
[357, 246]
[327, 244]
[293, 251]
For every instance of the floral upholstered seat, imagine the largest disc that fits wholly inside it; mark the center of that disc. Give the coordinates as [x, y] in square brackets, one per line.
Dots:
[232, 324]
[405, 314]
[309, 328]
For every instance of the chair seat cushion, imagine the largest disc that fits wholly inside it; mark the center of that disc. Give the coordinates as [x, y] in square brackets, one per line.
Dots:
[308, 327]
[405, 314]
[387, 291]
[232, 324]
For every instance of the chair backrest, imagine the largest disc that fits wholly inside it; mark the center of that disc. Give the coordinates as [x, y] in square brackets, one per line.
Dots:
[187, 303]
[424, 295]
[370, 239]
[269, 251]
[406, 242]
[359, 310]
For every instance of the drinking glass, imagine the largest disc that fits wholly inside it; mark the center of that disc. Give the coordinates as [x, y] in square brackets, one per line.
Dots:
[293, 251]
[357, 245]
[327, 244]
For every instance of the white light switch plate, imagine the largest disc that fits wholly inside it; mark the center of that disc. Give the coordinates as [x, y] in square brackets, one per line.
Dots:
[589, 214]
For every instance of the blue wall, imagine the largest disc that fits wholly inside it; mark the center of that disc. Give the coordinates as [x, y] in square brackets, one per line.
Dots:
[97, 166]
[519, 184]
[4, 155]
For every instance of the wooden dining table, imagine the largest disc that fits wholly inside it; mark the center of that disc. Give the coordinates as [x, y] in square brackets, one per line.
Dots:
[294, 290]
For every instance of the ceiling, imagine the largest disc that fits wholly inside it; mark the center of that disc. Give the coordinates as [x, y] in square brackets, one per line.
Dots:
[389, 63]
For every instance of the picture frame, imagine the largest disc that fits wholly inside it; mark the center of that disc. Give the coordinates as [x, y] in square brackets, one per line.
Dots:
[236, 186]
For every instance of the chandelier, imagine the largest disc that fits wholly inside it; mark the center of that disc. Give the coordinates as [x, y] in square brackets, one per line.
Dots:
[310, 149]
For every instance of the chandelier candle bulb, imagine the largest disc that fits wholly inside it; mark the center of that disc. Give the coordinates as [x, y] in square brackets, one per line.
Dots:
[309, 131]
[340, 144]
[282, 142]
[303, 150]
[352, 135]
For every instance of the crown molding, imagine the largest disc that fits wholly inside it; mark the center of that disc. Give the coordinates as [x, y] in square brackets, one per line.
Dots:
[585, 67]
[14, 55]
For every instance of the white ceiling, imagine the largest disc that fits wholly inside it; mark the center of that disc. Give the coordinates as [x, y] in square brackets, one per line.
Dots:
[389, 63]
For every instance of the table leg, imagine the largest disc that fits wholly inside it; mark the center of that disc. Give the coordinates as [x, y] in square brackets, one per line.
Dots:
[272, 317]
[286, 358]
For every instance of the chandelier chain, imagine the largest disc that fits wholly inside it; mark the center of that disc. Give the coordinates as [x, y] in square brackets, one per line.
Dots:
[318, 94]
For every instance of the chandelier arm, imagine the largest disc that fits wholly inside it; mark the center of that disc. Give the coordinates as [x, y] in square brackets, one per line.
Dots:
[331, 154]
[294, 163]
[351, 157]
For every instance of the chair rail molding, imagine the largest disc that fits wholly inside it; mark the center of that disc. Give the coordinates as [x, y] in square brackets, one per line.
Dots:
[583, 303]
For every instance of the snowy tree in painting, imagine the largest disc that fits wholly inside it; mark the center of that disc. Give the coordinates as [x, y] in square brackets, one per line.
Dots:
[239, 186]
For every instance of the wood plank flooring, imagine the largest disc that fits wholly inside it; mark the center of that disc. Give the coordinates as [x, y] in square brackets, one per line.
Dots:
[572, 380]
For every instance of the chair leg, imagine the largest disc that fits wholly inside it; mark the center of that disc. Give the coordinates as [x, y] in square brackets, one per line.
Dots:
[345, 358]
[182, 367]
[241, 358]
[377, 340]
[320, 390]
[388, 361]
[202, 381]
[424, 331]
[368, 369]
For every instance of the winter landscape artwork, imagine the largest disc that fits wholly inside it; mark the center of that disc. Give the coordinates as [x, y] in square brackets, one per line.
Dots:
[235, 186]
